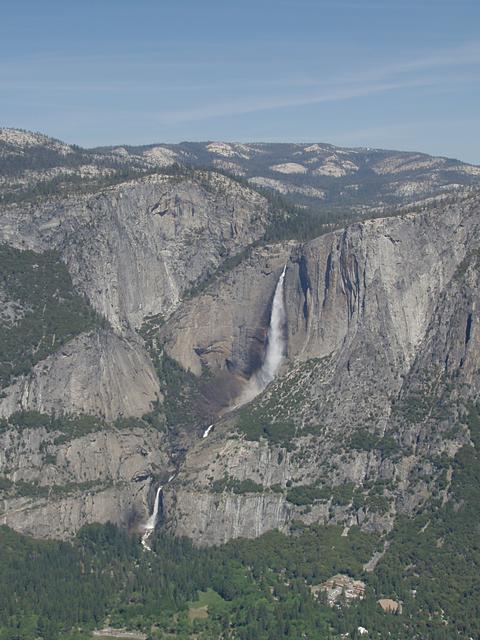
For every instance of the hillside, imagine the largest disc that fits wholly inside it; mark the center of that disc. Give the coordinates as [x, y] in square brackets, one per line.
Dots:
[343, 181]
[292, 375]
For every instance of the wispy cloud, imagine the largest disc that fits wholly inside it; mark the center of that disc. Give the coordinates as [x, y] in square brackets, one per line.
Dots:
[392, 76]
[249, 106]
[465, 54]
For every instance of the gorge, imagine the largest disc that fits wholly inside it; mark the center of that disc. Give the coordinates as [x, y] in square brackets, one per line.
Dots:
[238, 382]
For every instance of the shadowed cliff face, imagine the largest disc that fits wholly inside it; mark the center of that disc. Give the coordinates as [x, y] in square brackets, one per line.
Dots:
[224, 330]
[64, 482]
[382, 276]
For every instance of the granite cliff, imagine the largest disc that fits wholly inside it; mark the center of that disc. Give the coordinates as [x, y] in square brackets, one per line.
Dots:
[372, 403]
[174, 274]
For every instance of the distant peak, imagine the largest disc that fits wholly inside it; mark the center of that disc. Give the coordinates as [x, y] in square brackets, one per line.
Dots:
[24, 139]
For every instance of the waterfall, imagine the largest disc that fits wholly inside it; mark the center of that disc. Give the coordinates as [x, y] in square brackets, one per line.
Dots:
[275, 351]
[275, 339]
[207, 431]
[152, 521]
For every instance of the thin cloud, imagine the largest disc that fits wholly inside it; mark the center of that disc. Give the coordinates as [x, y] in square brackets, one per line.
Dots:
[238, 108]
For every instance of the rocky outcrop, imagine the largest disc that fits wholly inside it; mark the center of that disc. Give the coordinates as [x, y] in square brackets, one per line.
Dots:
[380, 277]
[98, 373]
[381, 332]
[225, 328]
[62, 483]
[399, 294]
[219, 519]
[134, 249]
[62, 516]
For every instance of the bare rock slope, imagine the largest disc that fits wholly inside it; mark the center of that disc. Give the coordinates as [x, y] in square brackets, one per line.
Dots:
[98, 373]
[133, 250]
[382, 345]
[369, 407]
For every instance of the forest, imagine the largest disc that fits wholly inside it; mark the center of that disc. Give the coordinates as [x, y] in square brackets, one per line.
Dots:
[254, 589]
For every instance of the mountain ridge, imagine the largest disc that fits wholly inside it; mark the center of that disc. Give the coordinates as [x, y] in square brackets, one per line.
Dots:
[178, 268]
[305, 174]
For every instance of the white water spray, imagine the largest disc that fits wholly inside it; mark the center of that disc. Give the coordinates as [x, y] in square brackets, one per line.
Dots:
[207, 431]
[275, 351]
[152, 521]
[275, 339]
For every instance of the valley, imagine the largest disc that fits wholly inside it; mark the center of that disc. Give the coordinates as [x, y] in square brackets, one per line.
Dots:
[237, 370]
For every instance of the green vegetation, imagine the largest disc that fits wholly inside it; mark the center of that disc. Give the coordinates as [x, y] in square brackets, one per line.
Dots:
[251, 589]
[225, 267]
[343, 494]
[307, 494]
[5, 484]
[34, 490]
[70, 426]
[208, 602]
[293, 222]
[70, 183]
[424, 398]
[271, 415]
[363, 440]
[378, 504]
[433, 563]
[184, 402]
[259, 588]
[236, 486]
[47, 312]
[262, 419]
[254, 425]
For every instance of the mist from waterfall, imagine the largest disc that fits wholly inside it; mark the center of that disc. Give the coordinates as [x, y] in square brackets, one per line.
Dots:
[275, 351]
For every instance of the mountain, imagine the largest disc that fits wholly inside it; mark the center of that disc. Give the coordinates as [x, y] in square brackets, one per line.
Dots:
[350, 181]
[378, 378]
[174, 336]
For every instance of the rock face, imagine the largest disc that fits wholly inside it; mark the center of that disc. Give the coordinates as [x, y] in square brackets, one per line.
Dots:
[225, 328]
[220, 519]
[382, 347]
[381, 277]
[398, 294]
[63, 483]
[134, 249]
[98, 373]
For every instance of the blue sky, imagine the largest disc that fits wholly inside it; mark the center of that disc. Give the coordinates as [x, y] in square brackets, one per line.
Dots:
[399, 74]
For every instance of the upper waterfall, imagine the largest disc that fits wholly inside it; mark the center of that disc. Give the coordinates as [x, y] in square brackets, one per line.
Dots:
[275, 339]
[275, 351]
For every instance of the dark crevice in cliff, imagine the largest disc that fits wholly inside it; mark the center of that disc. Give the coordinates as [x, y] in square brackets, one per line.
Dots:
[364, 284]
[328, 277]
[304, 283]
[468, 329]
[350, 273]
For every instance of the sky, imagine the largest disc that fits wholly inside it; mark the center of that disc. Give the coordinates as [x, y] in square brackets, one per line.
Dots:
[396, 74]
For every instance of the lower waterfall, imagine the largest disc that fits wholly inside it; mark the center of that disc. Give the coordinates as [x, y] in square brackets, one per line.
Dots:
[149, 527]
